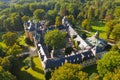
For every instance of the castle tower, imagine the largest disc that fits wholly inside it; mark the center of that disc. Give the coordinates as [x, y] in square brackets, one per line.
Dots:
[97, 35]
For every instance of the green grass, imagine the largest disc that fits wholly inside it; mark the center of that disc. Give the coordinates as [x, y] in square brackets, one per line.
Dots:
[99, 26]
[30, 74]
[36, 73]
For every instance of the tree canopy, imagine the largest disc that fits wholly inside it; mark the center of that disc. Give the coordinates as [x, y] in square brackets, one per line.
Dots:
[109, 27]
[14, 50]
[117, 12]
[115, 75]
[108, 63]
[10, 38]
[25, 18]
[69, 72]
[5, 75]
[39, 14]
[55, 38]
[58, 21]
[5, 63]
[94, 76]
[116, 32]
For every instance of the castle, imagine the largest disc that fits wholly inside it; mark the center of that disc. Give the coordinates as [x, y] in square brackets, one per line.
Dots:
[91, 49]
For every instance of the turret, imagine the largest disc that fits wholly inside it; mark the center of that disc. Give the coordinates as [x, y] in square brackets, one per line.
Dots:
[97, 35]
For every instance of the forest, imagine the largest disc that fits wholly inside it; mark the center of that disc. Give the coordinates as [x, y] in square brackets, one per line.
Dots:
[83, 15]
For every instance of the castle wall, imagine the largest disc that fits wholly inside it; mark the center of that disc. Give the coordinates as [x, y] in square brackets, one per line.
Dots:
[48, 63]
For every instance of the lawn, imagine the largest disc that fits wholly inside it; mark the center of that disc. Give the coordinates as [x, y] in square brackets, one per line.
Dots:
[30, 74]
[100, 27]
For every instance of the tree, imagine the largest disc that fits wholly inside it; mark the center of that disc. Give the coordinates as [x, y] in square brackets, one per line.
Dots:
[63, 10]
[113, 75]
[16, 22]
[116, 32]
[90, 18]
[80, 17]
[102, 13]
[84, 23]
[108, 63]
[73, 9]
[5, 63]
[5, 75]
[70, 19]
[57, 7]
[7, 24]
[69, 72]
[96, 12]
[118, 44]
[117, 12]
[58, 21]
[2, 18]
[33, 7]
[25, 18]
[14, 50]
[2, 53]
[51, 15]
[27, 62]
[114, 48]
[90, 15]
[89, 25]
[55, 39]
[39, 14]
[109, 27]
[51, 4]
[13, 23]
[23, 9]
[10, 38]
[94, 76]
[109, 15]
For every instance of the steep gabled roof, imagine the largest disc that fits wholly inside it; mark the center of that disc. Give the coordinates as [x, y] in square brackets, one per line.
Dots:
[77, 58]
[92, 41]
